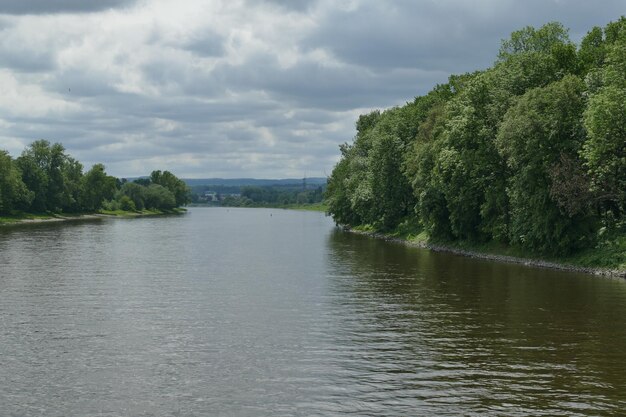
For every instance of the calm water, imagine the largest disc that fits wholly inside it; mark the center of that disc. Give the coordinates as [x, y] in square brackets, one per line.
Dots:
[249, 312]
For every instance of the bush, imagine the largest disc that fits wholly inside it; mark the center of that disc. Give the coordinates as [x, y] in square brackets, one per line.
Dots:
[126, 203]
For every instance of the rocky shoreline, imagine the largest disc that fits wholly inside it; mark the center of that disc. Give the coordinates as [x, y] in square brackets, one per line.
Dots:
[538, 263]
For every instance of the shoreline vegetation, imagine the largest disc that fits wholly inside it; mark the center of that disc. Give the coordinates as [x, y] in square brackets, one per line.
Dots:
[524, 161]
[320, 207]
[586, 262]
[45, 183]
[38, 218]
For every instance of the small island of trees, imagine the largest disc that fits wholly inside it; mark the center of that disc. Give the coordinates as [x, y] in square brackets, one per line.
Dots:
[45, 179]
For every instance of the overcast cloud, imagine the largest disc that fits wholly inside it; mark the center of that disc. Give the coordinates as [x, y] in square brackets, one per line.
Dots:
[239, 88]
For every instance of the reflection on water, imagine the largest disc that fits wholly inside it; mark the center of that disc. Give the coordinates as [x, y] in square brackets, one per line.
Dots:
[251, 312]
[463, 336]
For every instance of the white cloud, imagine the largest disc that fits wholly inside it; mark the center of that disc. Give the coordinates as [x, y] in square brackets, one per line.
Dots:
[238, 88]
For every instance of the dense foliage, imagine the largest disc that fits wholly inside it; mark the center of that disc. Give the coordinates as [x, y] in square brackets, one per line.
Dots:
[272, 196]
[44, 178]
[530, 152]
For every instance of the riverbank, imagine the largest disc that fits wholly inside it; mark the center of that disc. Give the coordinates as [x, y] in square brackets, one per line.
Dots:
[36, 218]
[605, 260]
[320, 207]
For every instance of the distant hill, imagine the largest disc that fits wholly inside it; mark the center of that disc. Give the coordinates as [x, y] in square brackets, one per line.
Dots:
[242, 182]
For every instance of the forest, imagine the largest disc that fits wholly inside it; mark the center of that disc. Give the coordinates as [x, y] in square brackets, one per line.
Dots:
[530, 152]
[273, 196]
[45, 179]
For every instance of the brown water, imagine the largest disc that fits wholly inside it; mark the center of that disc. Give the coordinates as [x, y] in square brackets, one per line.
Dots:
[250, 312]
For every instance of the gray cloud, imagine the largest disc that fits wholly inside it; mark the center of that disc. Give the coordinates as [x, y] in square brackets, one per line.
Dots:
[21, 7]
[310, 85]
[292, 5]
[239, 88]
[208, 46]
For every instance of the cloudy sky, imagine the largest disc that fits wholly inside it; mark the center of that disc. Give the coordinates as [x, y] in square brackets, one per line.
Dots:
[238, 88]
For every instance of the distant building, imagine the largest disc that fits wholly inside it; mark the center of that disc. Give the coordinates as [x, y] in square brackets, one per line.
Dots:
[210, 196]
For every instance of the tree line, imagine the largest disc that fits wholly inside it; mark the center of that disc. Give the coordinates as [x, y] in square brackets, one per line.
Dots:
[530, 152]
[44, 178]
[274, 196]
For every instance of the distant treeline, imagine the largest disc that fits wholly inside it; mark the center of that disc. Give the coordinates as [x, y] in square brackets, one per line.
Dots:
[530, 152]
[257, 182]
[46, 179]
[249, 196]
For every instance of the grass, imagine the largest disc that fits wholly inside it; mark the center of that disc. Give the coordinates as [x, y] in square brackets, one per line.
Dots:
[608, 253]
[18, 216]
[144, 212]
[21, 217]
[308, 207]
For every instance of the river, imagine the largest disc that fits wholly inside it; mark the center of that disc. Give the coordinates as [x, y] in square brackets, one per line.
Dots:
[259, 312]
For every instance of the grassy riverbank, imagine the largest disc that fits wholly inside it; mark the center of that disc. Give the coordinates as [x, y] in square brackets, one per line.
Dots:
[607, 257]
[26, 218]
[321, 207]
[138, 213]
[308, 207]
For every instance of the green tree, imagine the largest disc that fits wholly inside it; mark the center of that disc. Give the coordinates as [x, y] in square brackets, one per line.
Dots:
[181, 191]
[546, 40]
[338, 195]
[126, 203]
[52, 176]
[72, 172]
[33, 164]
[605, 120]
[541, 130]
[97, 187]
[467, 169]
[592, 51]
[13, 191]
[135, 192]
[431, 207]
[159, 197]
[500, 154]
[388, 187]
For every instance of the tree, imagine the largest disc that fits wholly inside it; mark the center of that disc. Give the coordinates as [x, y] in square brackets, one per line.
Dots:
[540, 135]
[159, 197]
[500, 154]
[419, 165]
[337, 194]
[126, 203]
[143, 181]
[52, 176]
[529, 39]
[592, 51]
[13, 191]
[467, 169]
[605, 120]
[135, 192]
[97, 187]
[33, 164]
[181, 191]
[72, 172]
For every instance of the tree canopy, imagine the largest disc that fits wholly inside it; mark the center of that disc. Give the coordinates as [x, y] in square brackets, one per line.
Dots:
[529, 152]
[44, 178]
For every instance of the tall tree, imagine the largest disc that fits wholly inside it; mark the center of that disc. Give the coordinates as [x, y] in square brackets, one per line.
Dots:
[13, 191]
[97, 187]
[176, 186]
[541, 130]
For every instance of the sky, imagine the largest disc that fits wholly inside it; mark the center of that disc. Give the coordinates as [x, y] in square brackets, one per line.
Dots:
[239, 88]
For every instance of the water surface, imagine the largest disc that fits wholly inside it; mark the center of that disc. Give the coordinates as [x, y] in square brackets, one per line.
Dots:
[258, 312]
